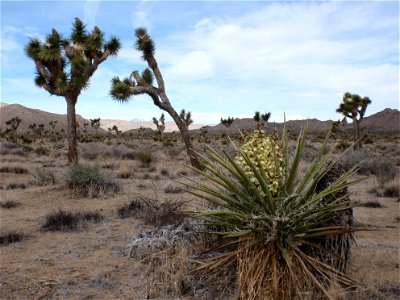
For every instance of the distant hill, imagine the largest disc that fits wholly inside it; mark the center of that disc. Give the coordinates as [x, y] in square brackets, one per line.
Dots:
[30, 116]
[387, 120]
[127, 126]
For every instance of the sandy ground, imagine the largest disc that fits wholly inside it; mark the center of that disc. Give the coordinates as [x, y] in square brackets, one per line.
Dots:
[91, 263]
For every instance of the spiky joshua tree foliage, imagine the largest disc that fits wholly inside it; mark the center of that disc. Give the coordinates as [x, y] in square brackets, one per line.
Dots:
[137, 84]
[354, 107]
[276, 221]
[65, 65]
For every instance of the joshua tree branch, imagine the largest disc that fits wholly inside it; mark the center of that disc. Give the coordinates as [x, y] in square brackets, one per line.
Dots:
[41, 69]
[157, 73]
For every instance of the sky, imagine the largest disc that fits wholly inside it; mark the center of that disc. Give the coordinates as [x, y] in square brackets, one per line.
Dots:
[219, 58]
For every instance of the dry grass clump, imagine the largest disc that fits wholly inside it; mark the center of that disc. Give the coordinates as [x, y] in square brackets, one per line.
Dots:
[8, 204]
[62, 220]
[170, 189]
[8, 148]
[16, 186]
[13, 169]
[11, 237]
[86, 180]
[371, 204]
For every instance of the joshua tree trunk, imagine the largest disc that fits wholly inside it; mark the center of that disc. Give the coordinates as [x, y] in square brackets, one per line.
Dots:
[185, 136]
[71, 121]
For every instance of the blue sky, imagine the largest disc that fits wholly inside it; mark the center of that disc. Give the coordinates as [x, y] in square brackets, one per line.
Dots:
[220, 58]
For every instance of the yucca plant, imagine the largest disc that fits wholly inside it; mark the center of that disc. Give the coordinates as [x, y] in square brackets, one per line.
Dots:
[287, 233]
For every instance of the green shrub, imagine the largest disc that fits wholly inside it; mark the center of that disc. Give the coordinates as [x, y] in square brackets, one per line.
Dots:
[41, 151]
[87, 180]
[44, 177]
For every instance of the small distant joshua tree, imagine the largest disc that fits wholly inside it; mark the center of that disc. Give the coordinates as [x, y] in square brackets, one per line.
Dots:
[262, 120]
[141, 131]
[227, 122]
[160, 124]
[12, 128]
[354, 107]
[65, 65]
[53, 124]
[186, 117]
[137, 84]
[95, 124]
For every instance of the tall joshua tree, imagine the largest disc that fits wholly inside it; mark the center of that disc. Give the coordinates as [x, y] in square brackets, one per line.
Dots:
[65, 65]
[137, 84]
[354, 107]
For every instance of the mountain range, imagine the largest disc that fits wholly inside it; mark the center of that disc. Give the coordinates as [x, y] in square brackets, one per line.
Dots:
[387, 120]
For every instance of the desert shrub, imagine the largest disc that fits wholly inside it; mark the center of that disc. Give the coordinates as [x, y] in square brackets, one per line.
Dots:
[173, 190]
[15, 186]
[15, 170]
[8, 204]
[62, 220]
[129, 209]
[44, 177]
[355, 157]
[310, 153]
[42, 151]
[392, 191]
[11, 237]
[87, 180]
[14, 149]
[125, 174]
[154, 212]
[164, 172]
[371, 204]
[145, 157]
[97, 150]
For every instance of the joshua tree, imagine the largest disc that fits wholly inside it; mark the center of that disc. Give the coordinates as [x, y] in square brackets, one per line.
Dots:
[95, 124]
[186, 117]
[160, 124]
[262, 120]
[227, 122]
[65, 65]
[53, 124]
[138, 84]
[354, 107]
[13, 127]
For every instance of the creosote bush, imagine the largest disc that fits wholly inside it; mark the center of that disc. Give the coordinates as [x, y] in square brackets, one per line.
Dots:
[87, 180]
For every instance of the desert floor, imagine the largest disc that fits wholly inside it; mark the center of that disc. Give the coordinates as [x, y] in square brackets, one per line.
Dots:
[91, 262]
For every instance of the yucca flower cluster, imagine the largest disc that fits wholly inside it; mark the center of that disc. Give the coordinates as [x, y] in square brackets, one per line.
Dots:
[265, 152]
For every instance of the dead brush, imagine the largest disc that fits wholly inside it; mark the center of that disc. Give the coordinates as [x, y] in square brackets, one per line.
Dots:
[8, 204]
[153, 211]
